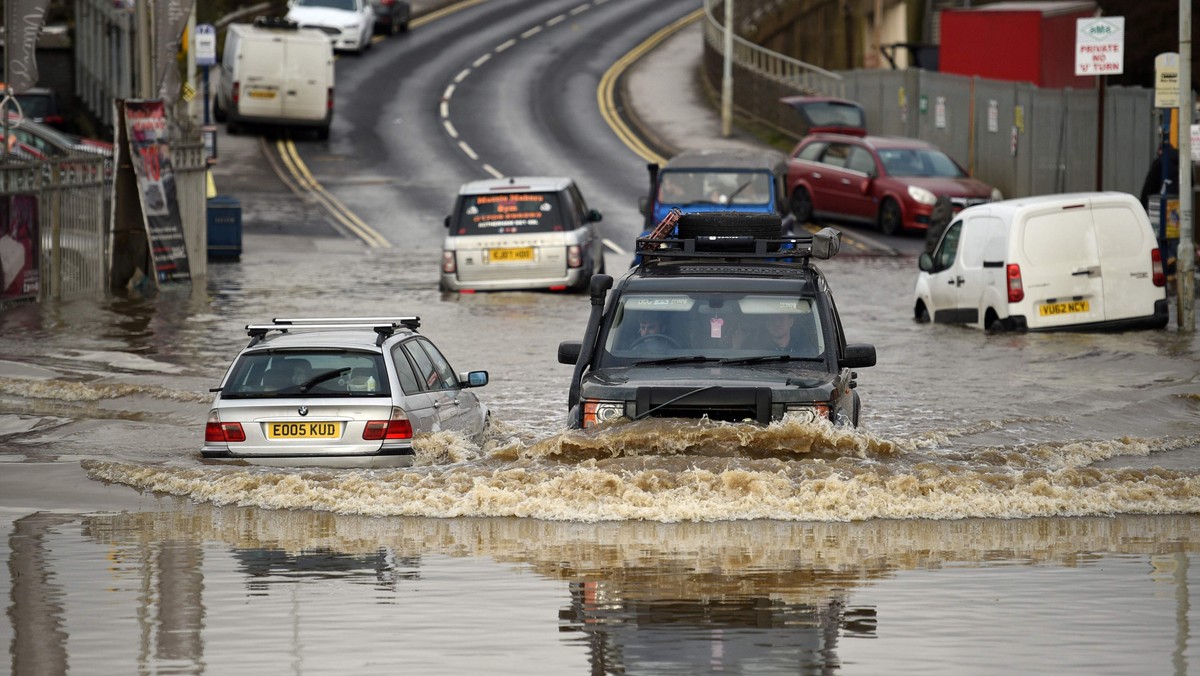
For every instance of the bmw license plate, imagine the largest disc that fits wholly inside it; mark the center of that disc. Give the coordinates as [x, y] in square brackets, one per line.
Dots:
[1055, 309]
[303, 430]
[521, 255]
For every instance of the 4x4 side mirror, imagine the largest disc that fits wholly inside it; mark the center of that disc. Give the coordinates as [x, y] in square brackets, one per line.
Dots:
[568, 351]
[858, 356]
[925, 262]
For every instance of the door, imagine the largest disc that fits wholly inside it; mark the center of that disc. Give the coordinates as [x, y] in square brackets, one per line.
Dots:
[260, 72]
[1060, 270]
[856, 184]
[1124, 242]
[466, 415]
[946, 278]
[306, 80]
[981, 249]
[434, 384]
[418, 404]
[839, 185]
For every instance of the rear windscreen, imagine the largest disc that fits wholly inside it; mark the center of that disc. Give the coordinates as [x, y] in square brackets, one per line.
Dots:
[313, 373]
[509, 213]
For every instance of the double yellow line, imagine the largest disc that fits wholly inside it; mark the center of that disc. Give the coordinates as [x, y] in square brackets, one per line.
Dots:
[606, 93]
[307, 184]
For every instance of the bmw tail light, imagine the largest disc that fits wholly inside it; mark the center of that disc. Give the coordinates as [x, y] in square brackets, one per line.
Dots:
[448, 264]
[397, 427]
[219, 432]
[236, 94]
[574, 256]
[1016, 291]
[1156, 267]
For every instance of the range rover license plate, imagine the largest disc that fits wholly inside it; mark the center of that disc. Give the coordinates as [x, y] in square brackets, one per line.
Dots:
[522, 255]
[303, 430]
[1055, 309]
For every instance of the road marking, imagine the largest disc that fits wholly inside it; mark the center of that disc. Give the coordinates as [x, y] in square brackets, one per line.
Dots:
[449, 128]
[462, 145]
[531, 32]
[492, 170]
[308, 183]
[613, 246]
[579, 10]
[505, 45]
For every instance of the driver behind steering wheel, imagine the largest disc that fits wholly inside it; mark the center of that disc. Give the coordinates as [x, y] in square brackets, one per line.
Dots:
[651, 334]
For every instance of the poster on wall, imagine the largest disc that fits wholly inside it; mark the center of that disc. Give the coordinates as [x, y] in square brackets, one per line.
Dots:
[150, 154]
[19, 248]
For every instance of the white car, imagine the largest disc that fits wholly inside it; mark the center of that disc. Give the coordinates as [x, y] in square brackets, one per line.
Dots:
[339, 392]
[348, 23]
[531, 232]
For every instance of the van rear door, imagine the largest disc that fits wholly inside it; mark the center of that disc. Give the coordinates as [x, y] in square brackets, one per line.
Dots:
[260, 68]
[1125, 242]
[307, 78]
[1060, 269]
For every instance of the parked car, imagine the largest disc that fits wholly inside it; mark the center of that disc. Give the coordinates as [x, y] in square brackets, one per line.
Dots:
[531, 232]
[391, 16]
[348, 23]
[827, 114]
[703, 330]
[889, 182]
[52, 143]
[40, 104]
[1073, 261]
[339, 392]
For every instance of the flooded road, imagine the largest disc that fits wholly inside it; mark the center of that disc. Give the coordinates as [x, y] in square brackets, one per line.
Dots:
[1020, 503]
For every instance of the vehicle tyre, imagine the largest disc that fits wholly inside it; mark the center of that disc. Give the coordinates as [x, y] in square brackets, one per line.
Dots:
[404, 26]
[394, 25]
[891, 221]
[995, 324]
[730, 224]
[322, 133]
[218, 112]
[922, 314]
[233, 128]
[802, 207]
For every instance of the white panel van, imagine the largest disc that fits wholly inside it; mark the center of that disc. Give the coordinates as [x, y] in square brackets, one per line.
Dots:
[273, 72]
[1066, 262]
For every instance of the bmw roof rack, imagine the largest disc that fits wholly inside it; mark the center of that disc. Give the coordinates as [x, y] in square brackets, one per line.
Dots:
[383, 326]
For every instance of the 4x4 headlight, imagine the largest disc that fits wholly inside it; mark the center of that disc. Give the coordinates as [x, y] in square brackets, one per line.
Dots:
[806, 412]
[596, 411]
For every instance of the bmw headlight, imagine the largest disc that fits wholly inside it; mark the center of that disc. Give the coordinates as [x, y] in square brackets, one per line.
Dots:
[921, 195]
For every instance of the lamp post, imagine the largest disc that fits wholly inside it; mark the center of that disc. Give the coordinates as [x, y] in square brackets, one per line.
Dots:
[727, 74]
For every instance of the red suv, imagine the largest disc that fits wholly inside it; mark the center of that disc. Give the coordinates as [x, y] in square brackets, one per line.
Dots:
[889, 182]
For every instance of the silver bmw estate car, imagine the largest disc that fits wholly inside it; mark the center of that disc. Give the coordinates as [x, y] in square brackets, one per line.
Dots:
[521, 233]
[339, 392]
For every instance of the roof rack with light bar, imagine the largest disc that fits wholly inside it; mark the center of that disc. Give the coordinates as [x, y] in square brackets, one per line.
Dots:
[383, 326]
[822, 245]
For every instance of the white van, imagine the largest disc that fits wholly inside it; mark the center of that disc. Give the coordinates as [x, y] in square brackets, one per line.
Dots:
[1073, 261]
[274, 72]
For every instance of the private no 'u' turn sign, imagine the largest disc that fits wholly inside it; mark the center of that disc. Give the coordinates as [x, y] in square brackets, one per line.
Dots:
[1100, 45]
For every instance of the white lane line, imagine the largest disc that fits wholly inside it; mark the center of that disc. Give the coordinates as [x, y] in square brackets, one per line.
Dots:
[448, 93]
[482, 60]
[462, 75]
[492, 170]
[444, 109]
[579, 10]
[505, 45]
[450, 129]
[613, 246]
[531, 32]
[556, 20]
[467, 149]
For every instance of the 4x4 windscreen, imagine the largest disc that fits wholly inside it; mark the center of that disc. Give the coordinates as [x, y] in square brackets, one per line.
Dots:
[716, 326]
[708, 186]
[510, 213]
[315, 373]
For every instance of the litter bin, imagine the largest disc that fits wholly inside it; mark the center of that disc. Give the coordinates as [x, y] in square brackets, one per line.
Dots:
[224, 228]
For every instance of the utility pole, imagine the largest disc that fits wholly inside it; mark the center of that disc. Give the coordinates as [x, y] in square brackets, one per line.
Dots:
[145, 44]
[727, 75]
[1185, 256]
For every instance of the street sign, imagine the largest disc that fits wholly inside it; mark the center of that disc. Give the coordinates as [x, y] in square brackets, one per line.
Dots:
[1100, 45]
[1166, 80]
[206, 45]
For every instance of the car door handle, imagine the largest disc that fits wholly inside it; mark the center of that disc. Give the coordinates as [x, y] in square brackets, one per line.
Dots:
[957, 281]
[1085, 271]
[437, 404]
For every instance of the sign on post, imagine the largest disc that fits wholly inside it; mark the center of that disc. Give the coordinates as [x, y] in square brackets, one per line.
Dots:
[206, 45]
[1100, 45]
[1166, 80]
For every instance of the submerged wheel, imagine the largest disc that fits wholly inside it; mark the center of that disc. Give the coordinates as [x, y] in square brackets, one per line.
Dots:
[891, 221]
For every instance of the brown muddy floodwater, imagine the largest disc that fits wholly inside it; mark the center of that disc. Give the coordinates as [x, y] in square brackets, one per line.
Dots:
[1011, 503]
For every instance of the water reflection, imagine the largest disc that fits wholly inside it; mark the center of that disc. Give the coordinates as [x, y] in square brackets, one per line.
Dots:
[188, 588]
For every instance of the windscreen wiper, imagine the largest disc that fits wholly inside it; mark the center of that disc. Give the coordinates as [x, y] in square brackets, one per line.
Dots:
[765, 358]
[322, 377]
[682, 359]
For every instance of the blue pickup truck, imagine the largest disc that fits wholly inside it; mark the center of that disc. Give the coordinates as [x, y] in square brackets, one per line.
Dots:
[698, 181]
